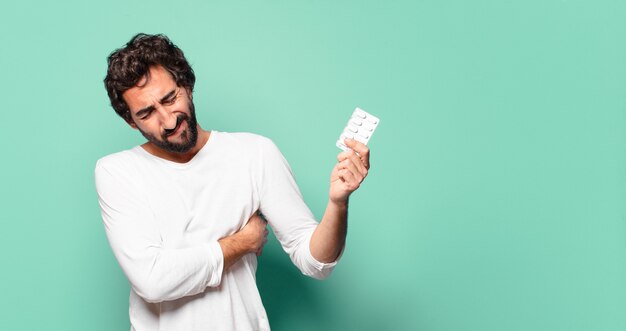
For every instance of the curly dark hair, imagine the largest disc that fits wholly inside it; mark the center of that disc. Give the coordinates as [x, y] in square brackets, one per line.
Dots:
[127, 65]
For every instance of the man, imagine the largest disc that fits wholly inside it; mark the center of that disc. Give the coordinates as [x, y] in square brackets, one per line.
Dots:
[181, 211]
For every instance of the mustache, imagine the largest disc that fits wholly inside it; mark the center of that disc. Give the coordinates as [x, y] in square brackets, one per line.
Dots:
[179, 119]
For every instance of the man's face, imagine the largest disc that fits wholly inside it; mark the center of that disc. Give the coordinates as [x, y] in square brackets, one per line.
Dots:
[163, 112]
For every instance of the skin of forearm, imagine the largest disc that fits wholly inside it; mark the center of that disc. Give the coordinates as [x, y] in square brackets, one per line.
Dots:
[234, 247]
[329, 237]
[250, 239]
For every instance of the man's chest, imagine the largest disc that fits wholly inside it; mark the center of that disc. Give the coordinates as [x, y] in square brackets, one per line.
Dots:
[200, 206]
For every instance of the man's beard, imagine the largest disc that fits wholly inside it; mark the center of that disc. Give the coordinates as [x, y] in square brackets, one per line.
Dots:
[189, 135]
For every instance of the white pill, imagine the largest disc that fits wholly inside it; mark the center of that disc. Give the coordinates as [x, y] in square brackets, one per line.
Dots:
[359, 113]
[361, 127]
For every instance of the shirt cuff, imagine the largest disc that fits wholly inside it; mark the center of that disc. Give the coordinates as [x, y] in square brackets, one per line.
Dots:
[320, 266]
[216, 263]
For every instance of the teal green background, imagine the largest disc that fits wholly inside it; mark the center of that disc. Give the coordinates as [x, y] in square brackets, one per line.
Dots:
[497, 194]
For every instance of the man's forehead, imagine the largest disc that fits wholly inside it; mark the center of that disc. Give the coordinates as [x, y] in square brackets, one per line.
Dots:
[156, 74]
[156, 83]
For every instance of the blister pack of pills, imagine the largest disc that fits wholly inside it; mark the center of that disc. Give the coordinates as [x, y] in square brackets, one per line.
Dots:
[360, 127]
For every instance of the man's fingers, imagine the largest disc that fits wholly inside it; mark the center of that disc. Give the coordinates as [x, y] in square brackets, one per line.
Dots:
[361, 149]
[258, 217]
[357, 146]
[350, 157]
[358, 162]
[352, 168]
[344, 155]
[349, 179]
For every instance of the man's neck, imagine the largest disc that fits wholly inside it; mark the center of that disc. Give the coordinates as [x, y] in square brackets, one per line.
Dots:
[203, 137]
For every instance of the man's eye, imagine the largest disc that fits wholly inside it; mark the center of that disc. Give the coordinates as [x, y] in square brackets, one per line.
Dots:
[146, 115]
[169, 101]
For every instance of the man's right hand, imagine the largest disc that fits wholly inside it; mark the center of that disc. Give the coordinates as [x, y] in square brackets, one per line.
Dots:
[254, 234]
[250, 239]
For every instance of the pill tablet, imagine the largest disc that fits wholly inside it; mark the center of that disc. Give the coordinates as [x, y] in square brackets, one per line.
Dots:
[361, 126]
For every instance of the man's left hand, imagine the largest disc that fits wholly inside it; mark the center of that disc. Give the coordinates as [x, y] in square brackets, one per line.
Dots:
[348, 174]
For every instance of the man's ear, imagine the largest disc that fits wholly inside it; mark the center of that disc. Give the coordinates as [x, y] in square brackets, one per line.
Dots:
[189, 92]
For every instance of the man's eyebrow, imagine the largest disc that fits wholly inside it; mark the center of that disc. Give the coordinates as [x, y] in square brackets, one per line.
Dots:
[168, 96]
[143, 111]
[150, 108]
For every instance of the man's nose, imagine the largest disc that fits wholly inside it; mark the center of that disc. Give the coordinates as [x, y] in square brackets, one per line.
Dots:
[167, 118]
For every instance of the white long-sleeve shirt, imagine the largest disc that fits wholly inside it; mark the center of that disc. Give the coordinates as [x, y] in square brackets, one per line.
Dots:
[163, 220]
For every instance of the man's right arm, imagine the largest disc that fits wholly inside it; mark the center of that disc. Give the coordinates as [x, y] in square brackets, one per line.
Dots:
[250, 239]
[157, 273]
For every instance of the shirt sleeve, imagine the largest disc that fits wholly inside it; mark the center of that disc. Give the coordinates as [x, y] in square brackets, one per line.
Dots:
[155, 273]
[282, 205]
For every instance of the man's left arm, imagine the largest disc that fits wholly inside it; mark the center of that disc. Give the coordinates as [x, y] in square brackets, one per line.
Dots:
[307, 242]
[329, 237]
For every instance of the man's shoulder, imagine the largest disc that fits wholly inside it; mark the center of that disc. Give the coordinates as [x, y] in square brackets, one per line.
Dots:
[245, 140]
[244, 137]
[117, 160]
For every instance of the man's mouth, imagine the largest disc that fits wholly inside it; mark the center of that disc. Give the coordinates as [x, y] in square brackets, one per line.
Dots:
[179, 121]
